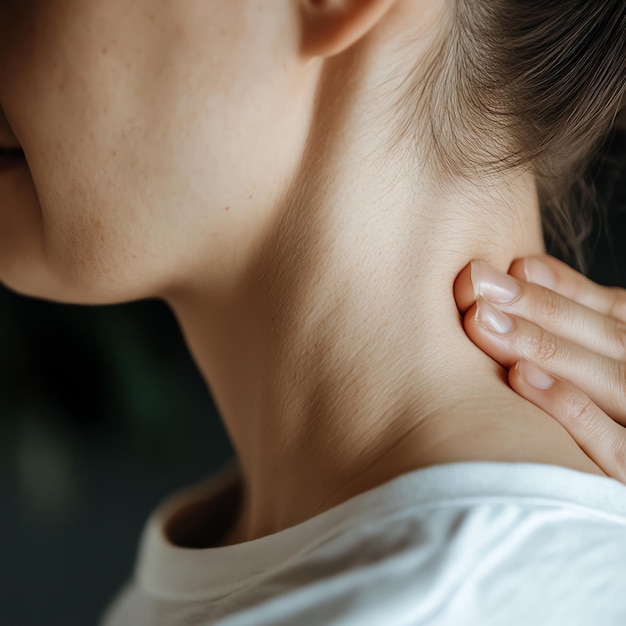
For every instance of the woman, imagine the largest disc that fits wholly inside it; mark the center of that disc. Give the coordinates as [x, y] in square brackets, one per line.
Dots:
[302, 181]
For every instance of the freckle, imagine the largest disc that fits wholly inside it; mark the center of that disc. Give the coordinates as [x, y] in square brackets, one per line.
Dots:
[249, 197]
[104, 50]
[227, 208]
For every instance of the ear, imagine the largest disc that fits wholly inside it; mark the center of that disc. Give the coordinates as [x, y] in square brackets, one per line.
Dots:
[331, 26]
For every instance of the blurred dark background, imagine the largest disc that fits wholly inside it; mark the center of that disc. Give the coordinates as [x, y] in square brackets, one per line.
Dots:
[103, 413]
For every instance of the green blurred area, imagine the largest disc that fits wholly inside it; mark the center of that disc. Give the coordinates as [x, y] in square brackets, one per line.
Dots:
[103, 413]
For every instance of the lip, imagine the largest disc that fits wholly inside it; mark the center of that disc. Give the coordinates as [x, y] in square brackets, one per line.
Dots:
[10, 159]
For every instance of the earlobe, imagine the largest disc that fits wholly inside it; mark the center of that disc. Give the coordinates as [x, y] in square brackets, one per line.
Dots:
[331, 26]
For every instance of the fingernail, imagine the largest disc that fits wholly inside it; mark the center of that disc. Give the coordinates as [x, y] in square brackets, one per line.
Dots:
[539, 273]
[493, 284]
[534, 376]
[492, 319]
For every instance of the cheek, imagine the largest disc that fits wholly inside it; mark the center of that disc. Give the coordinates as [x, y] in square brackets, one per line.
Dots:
[139, 135]
[68, 248]
[77, 93]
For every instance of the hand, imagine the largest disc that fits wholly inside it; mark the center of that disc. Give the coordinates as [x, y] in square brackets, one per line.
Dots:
[563, 339]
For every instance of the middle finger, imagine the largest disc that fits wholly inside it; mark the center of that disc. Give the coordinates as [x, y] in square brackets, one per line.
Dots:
[559, 315]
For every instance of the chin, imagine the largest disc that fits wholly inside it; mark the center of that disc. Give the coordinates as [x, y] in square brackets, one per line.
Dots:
[47, 285]
[48, 290]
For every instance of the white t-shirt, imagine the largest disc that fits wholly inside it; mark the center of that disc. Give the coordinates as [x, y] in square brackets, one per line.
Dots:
[460, 544]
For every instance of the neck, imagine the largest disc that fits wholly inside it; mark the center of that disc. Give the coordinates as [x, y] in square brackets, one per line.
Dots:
[336, 354]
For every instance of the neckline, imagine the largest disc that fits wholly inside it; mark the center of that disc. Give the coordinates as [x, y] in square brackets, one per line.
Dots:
[179, 572]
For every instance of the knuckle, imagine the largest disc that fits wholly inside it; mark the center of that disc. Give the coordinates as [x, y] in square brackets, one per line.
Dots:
[619, 333]
[543, 346]
[578, 410]
[618, 382]
[617, 308]
[551, 307]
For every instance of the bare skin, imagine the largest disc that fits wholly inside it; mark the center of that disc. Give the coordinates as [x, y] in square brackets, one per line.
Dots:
[564, 348]
[252, 179]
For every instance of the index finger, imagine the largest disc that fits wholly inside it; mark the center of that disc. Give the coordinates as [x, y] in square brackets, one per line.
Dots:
[549, 272]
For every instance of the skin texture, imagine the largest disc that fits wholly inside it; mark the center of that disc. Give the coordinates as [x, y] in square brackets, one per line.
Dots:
[240, 160]
[134, 134]
[572, 333]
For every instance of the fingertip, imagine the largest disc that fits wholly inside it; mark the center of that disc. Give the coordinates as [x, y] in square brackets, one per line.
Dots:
[516, 269]
[472, 327]
[523, 388]
[534, 376]
[534, 268]
[515, 377]
[464, 290]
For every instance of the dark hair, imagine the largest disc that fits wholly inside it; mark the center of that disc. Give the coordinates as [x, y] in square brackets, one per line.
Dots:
[536, 83]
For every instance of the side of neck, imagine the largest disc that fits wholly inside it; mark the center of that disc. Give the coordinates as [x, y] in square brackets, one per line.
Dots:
[341, 361]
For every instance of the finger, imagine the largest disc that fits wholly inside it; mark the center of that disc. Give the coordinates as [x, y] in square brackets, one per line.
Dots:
[602, 440]
[603, 379]
[463, 289]
[553, 274]
[548, 309]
